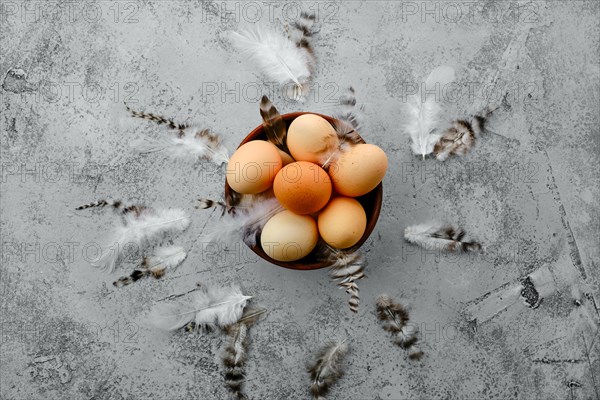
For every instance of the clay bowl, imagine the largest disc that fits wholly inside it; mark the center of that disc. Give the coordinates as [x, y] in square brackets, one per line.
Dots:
[371, 202]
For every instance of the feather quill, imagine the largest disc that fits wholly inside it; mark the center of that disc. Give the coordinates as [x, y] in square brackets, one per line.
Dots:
[394, 318]
[245, 223]
[210, 307]
[423, 110]
[142, 229]
[278, 57]
[461, 136]
[441, 237]
[327, 368]
[155, 265]
[273, 123]
[234, 355]
[346, 268]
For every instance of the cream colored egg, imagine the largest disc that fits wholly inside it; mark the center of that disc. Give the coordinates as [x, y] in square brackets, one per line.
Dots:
[288, 236]
[342, 222]
[252, 168]
[358, 170]
[311, 138]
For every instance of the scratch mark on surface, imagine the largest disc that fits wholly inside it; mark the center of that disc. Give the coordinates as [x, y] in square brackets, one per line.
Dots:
[587, 355]
[509, 60]
[574, 249]
[540, 346]
[554, 361]
[176, 296]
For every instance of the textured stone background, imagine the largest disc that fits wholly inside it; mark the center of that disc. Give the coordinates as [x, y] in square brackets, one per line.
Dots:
[529, 190]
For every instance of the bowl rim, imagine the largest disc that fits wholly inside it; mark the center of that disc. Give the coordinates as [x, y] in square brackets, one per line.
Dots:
[301, 265]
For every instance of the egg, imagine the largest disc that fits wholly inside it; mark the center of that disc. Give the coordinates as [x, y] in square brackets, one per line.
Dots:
[358, 170]
[342, 222]
[302, 187]
[252, 168]
[311, 138]
[288, 236]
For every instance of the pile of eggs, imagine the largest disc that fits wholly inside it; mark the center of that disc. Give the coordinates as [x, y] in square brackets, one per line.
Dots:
[317, 203]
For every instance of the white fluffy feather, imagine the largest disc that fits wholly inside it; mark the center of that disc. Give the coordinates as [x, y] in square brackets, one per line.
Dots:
[189, 146]
[142, 230]
[424, 112]
[209, 307]
[166, 257]
[244, 224]
[278, 57]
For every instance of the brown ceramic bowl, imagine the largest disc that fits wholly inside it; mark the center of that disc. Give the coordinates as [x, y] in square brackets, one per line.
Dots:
[371, 202]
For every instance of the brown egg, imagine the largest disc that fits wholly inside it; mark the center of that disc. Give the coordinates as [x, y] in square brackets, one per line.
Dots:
[342, 222]
[358, 170]
[302, 187]
[311, 138]
[288, 236]
[252, 168]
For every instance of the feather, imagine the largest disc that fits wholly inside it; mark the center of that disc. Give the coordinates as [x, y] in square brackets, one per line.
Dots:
[194, 144]
[278, 57]
[303, 30]
[346, 267]
[156, 265]
[208, 203]
[211, 306]
[348, 112]
[245, 223]
[438, 236]
[346, 127]
[327, 368]
[394, 318]
[347, 137]
[274, 125]
[232, 199]
[235, 351]
[157, 118]
[116, 205]
[190, 142]
[423, 110]
[142, 228]
[461, 136]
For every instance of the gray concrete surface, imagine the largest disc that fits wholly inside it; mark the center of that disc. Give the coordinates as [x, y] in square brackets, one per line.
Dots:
[529, 191]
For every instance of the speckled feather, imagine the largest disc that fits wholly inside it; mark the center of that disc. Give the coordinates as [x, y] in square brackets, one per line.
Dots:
[394, 318]
[327, 368]
[234, 355]
[441, 237]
